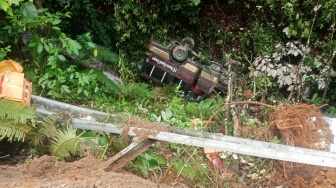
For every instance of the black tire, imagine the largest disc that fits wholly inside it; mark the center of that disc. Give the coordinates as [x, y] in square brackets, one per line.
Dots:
[224, 77]
[187, 41]
[180, 53]
[234, 65]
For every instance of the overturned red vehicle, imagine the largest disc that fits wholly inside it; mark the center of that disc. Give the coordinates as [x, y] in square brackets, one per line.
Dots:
[176, 64]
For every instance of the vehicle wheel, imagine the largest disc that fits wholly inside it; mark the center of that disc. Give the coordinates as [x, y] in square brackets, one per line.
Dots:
[234, 65]
[224, 77]
[187, 41]
[180, 53]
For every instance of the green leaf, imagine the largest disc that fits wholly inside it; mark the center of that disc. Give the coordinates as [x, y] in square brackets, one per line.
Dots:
[314, 96]
[16, 2]
[4, 5]
[306, 32]
[103, 140]
[39, 48]
[65, 89]
[275, 140]
[300, 23]
[169, 113]
[29, 10]
[219, 42]
[61, 57]
[91, 44]
[46, 47]
[86, 93]
[65, 142]
[79, 90]
[56, 28]
[55, 22]
[10, 11]
[153, 156]
[152, 164]
[88, 134]
[163, 115]
[196, 2]
[32, 44]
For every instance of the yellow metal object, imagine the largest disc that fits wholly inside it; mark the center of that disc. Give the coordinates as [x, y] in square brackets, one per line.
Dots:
[10, 66]
[191, 67]
[158, 51]
[13, 85]
[208, 76]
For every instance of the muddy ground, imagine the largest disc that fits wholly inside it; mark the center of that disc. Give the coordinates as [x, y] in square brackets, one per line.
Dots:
[46, 171]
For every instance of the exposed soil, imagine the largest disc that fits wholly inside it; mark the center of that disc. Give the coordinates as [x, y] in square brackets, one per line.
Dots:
[46, 171]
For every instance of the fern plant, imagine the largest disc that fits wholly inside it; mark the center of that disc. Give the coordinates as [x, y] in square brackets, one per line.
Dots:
[17, 121]
[65, 142]
[106, 55]
[17, 112]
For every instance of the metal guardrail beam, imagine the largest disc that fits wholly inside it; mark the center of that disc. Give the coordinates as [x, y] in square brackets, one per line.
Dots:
[51, 106]
[224, 143]
[201, 139]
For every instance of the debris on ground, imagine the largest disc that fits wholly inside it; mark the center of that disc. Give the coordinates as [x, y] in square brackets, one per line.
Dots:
[13, 85]
[303, 126]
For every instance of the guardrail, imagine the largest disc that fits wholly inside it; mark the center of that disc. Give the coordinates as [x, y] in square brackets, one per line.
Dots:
[186, 137]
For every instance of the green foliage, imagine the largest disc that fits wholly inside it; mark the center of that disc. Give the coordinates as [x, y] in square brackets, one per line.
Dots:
[6, 5]
[65, 143]
[28, 10]
[331, 111]
[136, 92]
[259, 40]
[4, 51]
[74, 84]
[14, 131]
[315, 99]
[17, 112]
[107, 87]
[106, 55]
[137, 21]
[192, 164]
[17, 121]
[97, 143]
[52, 52]
[91, 16]
[288, 46]
[203, 109]
[186, 170]
[49, 125]
[147, 162]
[126, 70]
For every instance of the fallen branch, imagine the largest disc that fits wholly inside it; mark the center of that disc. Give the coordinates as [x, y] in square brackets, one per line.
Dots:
[241, 102]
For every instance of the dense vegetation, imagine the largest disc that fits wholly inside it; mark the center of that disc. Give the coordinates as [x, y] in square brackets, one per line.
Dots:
[286, 50]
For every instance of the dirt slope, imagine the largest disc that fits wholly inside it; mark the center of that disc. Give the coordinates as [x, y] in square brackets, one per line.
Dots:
[46, 171]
